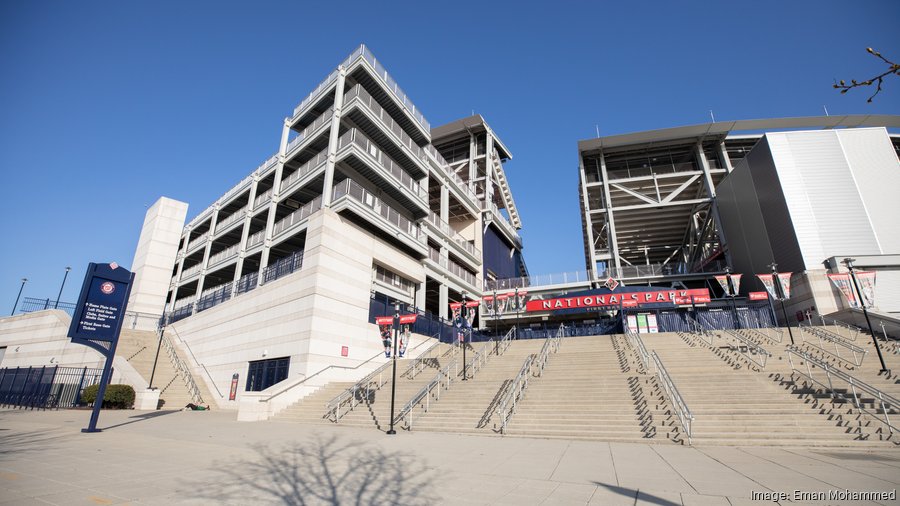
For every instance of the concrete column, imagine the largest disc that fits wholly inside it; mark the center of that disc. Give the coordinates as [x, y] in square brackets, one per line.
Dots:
[445, 203]
[156, 251]
[333, 137]
[588, 223]
[723, 154]
[420, 296]
[473, 150]
[245, 232]
[443, 301]
[179, 270]
[206, 250]
[713, 205]
[610, 218]
[273, 203]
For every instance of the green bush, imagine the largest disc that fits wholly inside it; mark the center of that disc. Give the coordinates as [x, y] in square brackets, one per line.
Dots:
[116, 396]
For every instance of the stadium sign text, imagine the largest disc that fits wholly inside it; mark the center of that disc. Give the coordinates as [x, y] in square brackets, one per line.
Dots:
[699, 295]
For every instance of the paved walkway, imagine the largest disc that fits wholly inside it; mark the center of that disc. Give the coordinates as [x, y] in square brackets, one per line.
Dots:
[174, 457]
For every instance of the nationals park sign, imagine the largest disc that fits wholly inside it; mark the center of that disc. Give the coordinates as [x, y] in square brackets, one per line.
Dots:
[627, 299]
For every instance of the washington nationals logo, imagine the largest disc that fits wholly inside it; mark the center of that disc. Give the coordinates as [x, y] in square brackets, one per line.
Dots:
[107, 288]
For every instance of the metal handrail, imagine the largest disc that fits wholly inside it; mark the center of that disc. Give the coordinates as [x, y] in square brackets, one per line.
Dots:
[414, 368]
[638, 344]
[831, 373]
[181, 368]
[752, 349]
[681, 408]
[857, 352]
[503, 344]
[550, 344]
[507, 407]
[191, 352]
[365, 384]
[697, 328]
[853, 330]
[425, 393]
[478, 361]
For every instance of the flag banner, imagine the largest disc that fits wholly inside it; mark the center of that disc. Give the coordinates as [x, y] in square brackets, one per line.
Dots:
[723, 282]
[488, 302]
[405, 334]
[736, 282]
[501, 302]
[866, 281]
[384, 320]
[844, 285]
[767, 280]
[520, 300]
[785, 279]
[759, 296]
[386, 336]
[455, 312]
[406, 319]
[470, 310]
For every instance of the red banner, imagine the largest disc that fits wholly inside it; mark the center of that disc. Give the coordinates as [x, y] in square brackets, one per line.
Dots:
[384, 320]
[758, 295]
[615, 299]
[406, 319]
[472, 303]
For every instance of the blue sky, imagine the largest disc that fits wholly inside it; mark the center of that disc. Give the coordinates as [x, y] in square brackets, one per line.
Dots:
[107, 106]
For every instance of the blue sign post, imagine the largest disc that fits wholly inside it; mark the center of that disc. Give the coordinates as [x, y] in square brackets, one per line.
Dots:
[98, 318]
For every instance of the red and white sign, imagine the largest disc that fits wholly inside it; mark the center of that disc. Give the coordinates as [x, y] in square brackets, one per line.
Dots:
[611, 283]
[629, 303]
[406, 319]
[758, 295]
[735, 282]
[384, 320]
[107, 288]
[345, 350]
[616, 299]
[785, 281]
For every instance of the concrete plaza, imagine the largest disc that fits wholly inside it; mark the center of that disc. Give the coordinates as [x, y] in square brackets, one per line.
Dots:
[175, 457]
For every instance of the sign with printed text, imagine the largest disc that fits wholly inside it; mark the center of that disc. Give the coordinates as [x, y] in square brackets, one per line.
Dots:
[625, 299]
[101, 305]
[758, 295]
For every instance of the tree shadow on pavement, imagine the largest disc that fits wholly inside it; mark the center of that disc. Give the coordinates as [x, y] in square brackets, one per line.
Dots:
[324, 470]
[14, 442]
[632, 494]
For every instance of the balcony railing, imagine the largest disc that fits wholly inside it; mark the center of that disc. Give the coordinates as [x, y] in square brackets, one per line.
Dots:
[283, 266]
[315, 93]
[256, 238]
[215, 296]
[358, 193]
[444, 227]
[356, 137]
[436, 257]
[458, 270]
[323, 119]
[197, 241]
[366, 99]
[509, 227]
[311, 165]
[235, 216]
[453, 176]
[191, 271]
[262, 198]
[225, 254]
[297, 216]
[392, 85]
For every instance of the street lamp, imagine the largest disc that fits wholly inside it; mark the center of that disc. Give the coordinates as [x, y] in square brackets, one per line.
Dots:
[56, 305]
[516, 326]
[862, 304]
[394, 359]
[779, 294]
[462, 329]
[730, 291]
[17, 296]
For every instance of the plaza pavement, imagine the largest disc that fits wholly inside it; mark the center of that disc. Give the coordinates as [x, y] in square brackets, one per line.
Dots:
[175, 457]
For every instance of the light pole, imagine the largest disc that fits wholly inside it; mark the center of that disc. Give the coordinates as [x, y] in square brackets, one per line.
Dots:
[729, 287]
[516, 326]
[496, 324]
[779, 294]
[17, 297]
[56, 305]
[394, 359]
[862, 304]
[462, 329]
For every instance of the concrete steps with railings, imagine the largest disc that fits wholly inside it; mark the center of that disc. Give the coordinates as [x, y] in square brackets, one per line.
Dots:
[468, 406]
[594, 389]
[374, 410]
[735, 404]
[139, 348]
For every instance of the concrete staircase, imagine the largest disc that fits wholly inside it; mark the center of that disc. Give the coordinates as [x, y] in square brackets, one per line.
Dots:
[374, 410]
[594, 389]
[736, 405]
[139, 348]
[468, 407]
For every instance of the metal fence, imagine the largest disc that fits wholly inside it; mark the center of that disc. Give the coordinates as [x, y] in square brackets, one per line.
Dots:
[131, 320]
[45, 387]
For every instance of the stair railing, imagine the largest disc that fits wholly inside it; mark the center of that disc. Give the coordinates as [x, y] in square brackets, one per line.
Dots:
[181, 368]
[697, 328]
[418, 364]
[852, 330]
[685, 417]
[834, 375]
[752, 351]
[443, 380]
[551, 344]
[516, 391]
[637, 344]
[478, 361]
[503, 345]
[858, 353]
[774, 333]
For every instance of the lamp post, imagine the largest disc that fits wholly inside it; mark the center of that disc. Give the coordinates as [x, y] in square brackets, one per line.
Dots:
[394, 359]
[862, 304]
[462, 329]
[56, 305]
[496, 324]
[729, 288]
[516, 325]
[17, 296]
[779, 294]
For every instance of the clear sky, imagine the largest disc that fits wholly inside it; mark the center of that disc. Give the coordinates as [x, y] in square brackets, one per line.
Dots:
[106, 106]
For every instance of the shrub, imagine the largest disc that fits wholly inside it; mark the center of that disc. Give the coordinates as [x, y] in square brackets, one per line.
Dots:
[116, 396]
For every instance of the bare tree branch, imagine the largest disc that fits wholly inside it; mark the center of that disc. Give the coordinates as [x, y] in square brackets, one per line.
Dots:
[893, 69]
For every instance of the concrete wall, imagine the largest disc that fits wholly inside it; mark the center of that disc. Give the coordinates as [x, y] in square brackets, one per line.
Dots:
[308, 315]
[155, 255]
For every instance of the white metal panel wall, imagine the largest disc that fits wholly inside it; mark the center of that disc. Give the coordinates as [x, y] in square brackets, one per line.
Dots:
[876, 171]
[887, 290]
[825, 206]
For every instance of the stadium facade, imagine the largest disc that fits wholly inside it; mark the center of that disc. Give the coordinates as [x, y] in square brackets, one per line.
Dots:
[674, 207]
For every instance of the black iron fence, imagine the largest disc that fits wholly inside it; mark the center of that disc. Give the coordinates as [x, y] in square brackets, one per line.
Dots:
[45, 387]
[30, 305]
